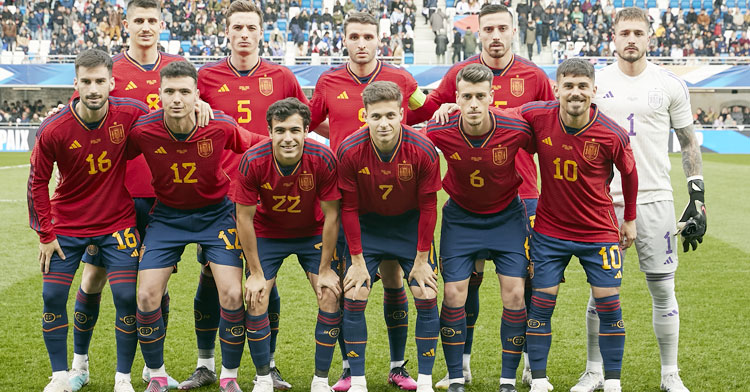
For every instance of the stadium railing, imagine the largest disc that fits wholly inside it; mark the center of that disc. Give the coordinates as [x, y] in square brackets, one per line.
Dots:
[200, 60]
[718, 60]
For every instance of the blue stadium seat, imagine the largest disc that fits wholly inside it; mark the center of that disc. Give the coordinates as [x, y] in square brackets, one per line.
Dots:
[684, 4]
[628, 3]
[282, 24]
[618, 3]
[266, 36]
[317, 4]
[408, 58]
[305, 3]
[696, 4]
[640, 3]
[185, 45]
[164, 35]
[449, 3]
[307, 35]
[651, 4]
[730, 3]
[742, 5]
[674, 3]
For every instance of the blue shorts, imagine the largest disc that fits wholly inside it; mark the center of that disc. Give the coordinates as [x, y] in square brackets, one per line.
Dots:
[390, 238]
[602, 261]
[118, 250]
[273, 251]
[466, 237]
[530, 211]
[142, 213]
[212, 227]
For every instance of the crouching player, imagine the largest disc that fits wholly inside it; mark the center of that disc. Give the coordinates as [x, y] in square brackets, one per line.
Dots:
[389, 176]
[91, 209]
[577, 147]
[480, 145]
[288, 203]
[191, 207]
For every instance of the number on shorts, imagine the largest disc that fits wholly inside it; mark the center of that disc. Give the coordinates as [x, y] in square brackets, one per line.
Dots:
[228, 244]
[614, 260]
[669, 243]
[130, 240]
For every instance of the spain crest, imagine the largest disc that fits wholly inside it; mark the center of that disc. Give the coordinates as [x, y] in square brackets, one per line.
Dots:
[117, 133]
[205, 148]
[499, 155]
[590, 150]
[405, 173]
[655, 98]
[306, 182]
[265, 85]
[516, 87]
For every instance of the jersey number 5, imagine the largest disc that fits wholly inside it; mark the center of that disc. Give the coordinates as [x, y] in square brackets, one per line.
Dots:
[241, 109]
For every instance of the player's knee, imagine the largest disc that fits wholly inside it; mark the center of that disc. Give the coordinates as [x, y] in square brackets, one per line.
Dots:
[328, 302]
[93, 279]
[358, 295]
[454, 294]
[601, 292]
[149, 298]
[660, 286]
[124, 296]
[426, 293]
[55, 295]
[231, 297]
[513, 296]
[391, 275]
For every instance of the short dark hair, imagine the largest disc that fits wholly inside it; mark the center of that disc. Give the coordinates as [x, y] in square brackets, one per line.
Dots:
[475, 73]
[381, 91]
[362, 18]
[91, 58]
[488, 9]
[244, 6]
[143, 4]
[575, 67]
[631, 13]
[177, 69]
[285, 108]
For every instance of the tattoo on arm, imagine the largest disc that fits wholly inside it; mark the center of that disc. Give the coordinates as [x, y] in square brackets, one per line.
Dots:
[692, 163]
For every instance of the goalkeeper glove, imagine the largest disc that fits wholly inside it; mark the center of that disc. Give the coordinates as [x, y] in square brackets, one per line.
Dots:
[692, 224]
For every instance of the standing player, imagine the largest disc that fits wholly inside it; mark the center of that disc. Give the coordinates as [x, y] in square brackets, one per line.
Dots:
[276, 220]
[577, 147]
[516, 81]
[91, 209]
[480, 145]
[242, 86]
[337, 96]
[648, 100]
[136, 76]
[192, 207]
[389, 176]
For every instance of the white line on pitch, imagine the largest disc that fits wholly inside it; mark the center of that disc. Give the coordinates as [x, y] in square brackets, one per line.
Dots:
[14, 167]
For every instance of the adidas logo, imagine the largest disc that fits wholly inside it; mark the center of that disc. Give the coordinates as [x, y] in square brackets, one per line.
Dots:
[365, 170]
[224, 89]
[547, 141]
[160, 150]
[674, 312]
[343, 95]
[430, 353]
[74, 145]
[130, 86]
[608, 95]
[352, 354]
[135, 253]
[455, 156]
[267, 186]
[619, 275]
[669, 261]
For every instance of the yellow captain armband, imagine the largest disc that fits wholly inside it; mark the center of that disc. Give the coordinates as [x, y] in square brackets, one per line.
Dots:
[417, 99]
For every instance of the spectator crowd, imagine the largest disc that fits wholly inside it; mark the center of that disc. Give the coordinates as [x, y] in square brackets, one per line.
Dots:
[728, 117]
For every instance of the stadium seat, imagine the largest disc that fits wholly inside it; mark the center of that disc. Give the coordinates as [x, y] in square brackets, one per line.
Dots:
[44, 47]
[628, 3]
[651, 4]
[449, 3]
[174, 47]
[742, 5]
[674, 3]
[185, 45]
[266, 35]
[305, 3]
[6, 57]
[617, 3]
[282, 24]
[18, 57]
[164, 35]
[640, 3]
[684, 4]
[34, 46]
[408, 58]
[317, 4]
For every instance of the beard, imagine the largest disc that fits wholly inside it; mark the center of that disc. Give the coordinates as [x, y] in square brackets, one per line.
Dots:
[94, 107]
[632, 57]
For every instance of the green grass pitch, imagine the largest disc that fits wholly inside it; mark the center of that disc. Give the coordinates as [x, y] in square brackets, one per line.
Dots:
[711, 289]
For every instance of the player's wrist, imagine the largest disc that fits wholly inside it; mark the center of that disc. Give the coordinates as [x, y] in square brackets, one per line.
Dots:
[696, 188]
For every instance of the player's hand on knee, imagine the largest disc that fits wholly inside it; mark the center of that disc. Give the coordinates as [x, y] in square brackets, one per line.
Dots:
[356, 276]
[444, 112]
[628, 233]
[255, 290]
[693, 222]
[45, 254]
[203, 112]
[327, 279]
[423, 274]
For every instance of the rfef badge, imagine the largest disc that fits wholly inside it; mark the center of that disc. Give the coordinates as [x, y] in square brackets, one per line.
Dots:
[265, 85]
[205, 148]
[117, 133]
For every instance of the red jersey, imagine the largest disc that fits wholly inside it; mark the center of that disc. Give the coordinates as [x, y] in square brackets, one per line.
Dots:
[390, 187]
[520, 82]
[187, 173]
[338, 95]
[246, 97]
[90, 199]
[288, 205]
[482, 166]
[576, 170]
